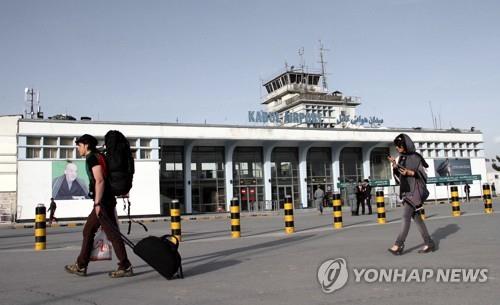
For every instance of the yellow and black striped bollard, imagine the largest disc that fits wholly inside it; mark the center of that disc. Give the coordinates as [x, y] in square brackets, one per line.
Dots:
[40, 224]
[379, 199]
[235, 218]
[488, 202]
[337, 211]
[455, 203]
[289, 225]
[175, 218]
[422, 213]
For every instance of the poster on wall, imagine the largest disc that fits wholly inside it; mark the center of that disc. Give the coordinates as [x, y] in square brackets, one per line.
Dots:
[69, 180]
[452, 167]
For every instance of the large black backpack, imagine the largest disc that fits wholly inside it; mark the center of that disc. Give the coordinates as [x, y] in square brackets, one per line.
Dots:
[119, 163]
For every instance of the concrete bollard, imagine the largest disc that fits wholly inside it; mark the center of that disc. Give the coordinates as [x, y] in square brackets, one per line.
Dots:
[488, 202]
[337, 211]
[175, 218]
[235, 218]
[289, 225]
[379, 199]
[422, 213]
[455, 203]
[40, 225]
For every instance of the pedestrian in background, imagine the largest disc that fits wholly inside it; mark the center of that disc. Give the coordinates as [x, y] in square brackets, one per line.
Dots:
[368, 195]
[319, 195]
[52, 210]
[360, 198]
[467, 192]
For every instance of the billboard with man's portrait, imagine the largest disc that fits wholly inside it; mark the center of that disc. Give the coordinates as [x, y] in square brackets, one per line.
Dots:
[69, 180]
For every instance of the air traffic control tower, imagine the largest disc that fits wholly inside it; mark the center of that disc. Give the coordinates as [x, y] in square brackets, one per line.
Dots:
[298, 91]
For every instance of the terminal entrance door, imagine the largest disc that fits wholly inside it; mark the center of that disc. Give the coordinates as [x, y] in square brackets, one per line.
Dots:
[283, 192]
[248, 197]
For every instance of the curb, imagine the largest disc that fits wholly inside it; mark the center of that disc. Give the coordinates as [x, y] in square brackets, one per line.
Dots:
[74, 224]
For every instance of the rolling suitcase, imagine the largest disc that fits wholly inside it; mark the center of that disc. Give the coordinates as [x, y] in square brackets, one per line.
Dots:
[161, 253]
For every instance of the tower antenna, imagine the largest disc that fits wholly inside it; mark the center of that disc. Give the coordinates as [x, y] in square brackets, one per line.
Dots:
[432, 116]
[29, 98]
[323, 64]
[302, 62]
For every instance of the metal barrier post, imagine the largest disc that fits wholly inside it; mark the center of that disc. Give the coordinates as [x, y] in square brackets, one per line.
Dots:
[455, 203]
[379, 199]
[235, 218]
[422, 213]
[175, 218]
[488, 202]
[40, 225]
[337, 211]
[289, 224]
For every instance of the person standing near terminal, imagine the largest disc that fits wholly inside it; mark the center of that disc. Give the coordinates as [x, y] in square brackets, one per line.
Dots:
[103, 212]
[409, 168]
[319, 195]
[467, 192]
[52, 210]
[368, 195]
[360, 198]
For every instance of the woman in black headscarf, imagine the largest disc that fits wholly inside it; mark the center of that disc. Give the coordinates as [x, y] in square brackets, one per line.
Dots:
[410, 174]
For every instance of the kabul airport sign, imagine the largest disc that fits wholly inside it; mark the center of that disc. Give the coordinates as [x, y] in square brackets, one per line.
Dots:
[359, 120]
[309, 118]
[288, 117]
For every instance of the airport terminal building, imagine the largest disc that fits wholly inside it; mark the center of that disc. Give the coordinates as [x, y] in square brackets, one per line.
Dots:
[307, 137]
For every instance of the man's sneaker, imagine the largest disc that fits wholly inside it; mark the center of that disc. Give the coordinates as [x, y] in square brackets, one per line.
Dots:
[75, 269]
[122, 272]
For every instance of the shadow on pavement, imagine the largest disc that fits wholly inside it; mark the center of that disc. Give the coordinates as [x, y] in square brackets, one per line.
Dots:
[214, 264]
[263, 233]
[443, 233]
[210, 266]
[187, 236]
[252, 248]
[439, 234]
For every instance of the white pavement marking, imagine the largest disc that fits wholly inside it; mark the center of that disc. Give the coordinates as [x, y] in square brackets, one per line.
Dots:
[67, 248]
[265, 235]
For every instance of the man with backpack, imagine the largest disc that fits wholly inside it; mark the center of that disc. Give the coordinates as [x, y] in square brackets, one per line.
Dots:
[103, 213]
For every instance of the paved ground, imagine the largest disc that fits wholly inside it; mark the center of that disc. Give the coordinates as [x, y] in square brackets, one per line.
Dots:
[265, 266]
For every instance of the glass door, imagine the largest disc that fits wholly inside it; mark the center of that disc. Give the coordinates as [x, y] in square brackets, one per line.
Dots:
[248, 197]
[283, 192]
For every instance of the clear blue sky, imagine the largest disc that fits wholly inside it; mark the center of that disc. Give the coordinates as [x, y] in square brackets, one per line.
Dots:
[203, 60]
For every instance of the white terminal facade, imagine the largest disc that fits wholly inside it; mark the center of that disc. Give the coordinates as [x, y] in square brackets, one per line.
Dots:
[205, 166]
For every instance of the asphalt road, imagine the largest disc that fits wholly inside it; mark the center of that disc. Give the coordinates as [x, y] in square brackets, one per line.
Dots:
[265, 266]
